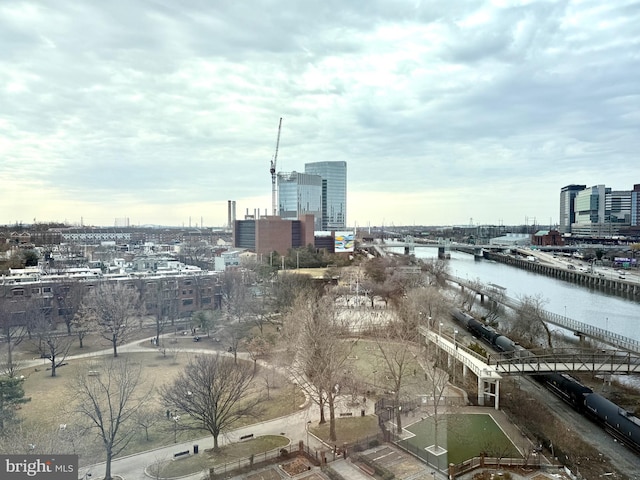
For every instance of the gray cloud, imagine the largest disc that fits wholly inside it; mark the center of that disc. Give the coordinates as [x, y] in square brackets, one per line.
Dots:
[131, 106]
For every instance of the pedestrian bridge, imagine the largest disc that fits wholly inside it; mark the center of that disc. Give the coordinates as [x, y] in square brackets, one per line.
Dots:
[570, 360]
[490, 370]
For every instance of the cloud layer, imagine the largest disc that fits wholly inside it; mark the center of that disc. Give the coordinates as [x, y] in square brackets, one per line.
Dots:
[445, 111]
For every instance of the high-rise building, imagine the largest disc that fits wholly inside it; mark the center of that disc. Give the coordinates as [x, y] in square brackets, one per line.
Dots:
[334, 192]
[567, 212]
[590, 208]
[635, 206]
[617, 209]
[300, 194]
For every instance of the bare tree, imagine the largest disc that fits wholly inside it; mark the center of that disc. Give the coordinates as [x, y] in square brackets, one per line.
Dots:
[286, 288]
[13, 324]
[467, 296]
[214, 391]
[438, 380]
[146, 418]
[109, 400]
[161, 301]
[82, 324]
[51, 344]
[67, 297]
[397, 351]
[114, 308]
[317, 353]
[530, 320]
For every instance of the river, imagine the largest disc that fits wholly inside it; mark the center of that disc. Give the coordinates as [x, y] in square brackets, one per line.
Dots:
[594, 307]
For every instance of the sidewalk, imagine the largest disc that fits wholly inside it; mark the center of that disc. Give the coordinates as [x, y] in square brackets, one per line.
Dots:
[293, 426]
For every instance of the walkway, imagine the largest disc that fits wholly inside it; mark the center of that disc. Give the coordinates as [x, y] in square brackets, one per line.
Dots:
[292, 426]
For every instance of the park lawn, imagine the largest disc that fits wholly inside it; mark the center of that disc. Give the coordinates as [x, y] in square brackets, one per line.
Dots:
[366, 360]
[348, 430]
[51, 406]
[227, 454]
[464, 436]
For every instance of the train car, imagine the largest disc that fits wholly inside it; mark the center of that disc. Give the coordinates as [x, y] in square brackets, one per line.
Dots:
[567, 388]
[479, 329]
[504, 344]
[461, 317]
[621, 424]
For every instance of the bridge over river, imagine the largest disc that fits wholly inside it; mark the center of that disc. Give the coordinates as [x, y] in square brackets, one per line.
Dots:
[490, 370]
[580, 329]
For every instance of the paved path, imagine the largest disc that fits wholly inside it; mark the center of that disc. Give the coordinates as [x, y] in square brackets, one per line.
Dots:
[132, 467]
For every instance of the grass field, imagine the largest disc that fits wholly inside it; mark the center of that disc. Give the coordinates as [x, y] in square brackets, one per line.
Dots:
[165, 468]
[464, 436]
[50, 404]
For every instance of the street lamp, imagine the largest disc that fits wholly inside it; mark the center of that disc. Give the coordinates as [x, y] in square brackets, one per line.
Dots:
[175, 417]
[308, 423]
[440, 330]
[455, 332]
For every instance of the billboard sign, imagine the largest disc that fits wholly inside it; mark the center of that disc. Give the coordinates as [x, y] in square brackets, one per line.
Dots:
[344, 242]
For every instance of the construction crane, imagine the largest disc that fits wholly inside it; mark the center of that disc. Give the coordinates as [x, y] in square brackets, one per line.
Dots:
[274, 161]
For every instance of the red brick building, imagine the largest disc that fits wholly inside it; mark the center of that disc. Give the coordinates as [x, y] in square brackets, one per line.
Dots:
[271, 233]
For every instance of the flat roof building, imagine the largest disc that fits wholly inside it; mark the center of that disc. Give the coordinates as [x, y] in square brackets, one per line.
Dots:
[334, 192]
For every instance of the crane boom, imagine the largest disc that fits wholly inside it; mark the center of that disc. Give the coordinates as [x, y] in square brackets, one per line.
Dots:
[272, 170]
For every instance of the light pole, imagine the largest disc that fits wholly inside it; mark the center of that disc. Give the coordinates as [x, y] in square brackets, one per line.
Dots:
[440, 331]
[308, 423]
[455, 332]
[175, 426]
[565, 312]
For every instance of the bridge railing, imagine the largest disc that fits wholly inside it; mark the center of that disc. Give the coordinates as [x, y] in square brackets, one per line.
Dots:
[580, 328]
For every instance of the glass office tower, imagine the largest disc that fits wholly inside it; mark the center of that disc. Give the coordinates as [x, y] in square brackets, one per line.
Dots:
[567, 210]
[300, 194]
[334, 192]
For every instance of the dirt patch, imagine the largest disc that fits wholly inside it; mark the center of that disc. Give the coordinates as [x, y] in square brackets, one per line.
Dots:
[295, 467]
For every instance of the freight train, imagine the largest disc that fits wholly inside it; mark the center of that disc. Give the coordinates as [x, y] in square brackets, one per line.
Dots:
[621, 424]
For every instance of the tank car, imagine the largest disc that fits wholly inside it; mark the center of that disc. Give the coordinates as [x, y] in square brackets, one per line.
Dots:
[488, 334]
[461, 317]
[567, 388]
[620, 423]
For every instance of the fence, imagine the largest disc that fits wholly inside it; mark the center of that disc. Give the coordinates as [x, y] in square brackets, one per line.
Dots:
[249, 463]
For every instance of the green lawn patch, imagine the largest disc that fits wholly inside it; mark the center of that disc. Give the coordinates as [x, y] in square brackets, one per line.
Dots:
[169, 468]
[348, 430]
[464, 436]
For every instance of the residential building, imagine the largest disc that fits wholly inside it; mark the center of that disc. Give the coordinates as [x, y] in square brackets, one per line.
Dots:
[334, 192]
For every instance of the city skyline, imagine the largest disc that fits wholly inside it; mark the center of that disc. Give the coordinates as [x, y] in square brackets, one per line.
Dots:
[445, 113]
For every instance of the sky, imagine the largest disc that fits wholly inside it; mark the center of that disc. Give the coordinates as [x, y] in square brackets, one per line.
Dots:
[446, 112]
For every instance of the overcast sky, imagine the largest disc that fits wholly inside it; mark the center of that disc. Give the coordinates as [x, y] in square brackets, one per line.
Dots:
[446, 112]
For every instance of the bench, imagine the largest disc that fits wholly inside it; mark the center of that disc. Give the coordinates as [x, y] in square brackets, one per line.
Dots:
[181, 454]
[367, 469]
[346, 414]
[246, 437]
[93, 373]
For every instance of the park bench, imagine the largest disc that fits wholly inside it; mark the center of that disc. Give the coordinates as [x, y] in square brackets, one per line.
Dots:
[367, 469]
[246, 437]
[346, 414]
[182, 454]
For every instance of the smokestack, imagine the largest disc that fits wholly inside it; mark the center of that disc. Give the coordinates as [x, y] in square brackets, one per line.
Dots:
[233, 212]
[229, 218]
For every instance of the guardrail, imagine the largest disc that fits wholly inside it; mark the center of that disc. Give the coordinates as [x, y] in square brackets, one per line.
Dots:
[579, 328]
